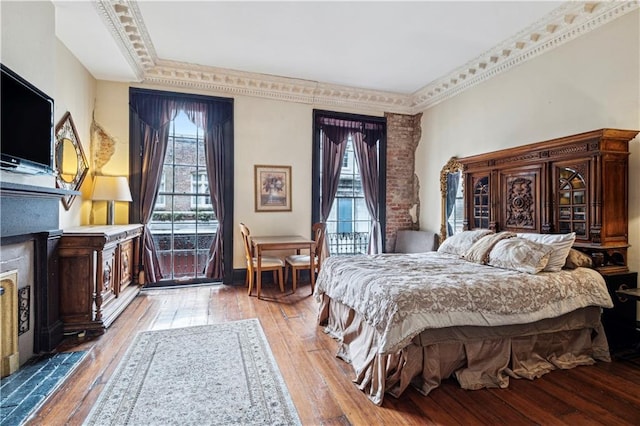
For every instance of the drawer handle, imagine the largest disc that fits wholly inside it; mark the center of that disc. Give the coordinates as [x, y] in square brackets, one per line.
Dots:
[623, 299]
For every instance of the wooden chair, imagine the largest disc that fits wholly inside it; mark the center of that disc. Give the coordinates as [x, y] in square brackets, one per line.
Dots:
[268, 263]
[303, 261]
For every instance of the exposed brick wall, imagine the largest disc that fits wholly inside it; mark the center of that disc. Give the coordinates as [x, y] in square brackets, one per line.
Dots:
[403, 203]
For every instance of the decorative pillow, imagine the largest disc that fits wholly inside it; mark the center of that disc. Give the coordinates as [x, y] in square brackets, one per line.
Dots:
[479, 251]
[577, 259]
[459, 243]
[520, 255]
[561, 244]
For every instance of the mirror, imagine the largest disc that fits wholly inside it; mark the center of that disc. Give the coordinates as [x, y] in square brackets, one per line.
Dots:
[451, 190]
[71, 165]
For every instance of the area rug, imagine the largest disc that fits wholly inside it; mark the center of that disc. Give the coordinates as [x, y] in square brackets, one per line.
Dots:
[23, 392]
[220, 374]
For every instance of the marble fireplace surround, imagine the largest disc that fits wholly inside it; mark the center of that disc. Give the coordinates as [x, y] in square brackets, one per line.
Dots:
[29, 235]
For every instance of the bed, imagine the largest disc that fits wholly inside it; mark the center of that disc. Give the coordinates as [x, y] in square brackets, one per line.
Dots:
[518, 294]
[403, 319]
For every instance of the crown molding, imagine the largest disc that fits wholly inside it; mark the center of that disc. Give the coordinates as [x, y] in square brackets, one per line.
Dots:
[568, 22]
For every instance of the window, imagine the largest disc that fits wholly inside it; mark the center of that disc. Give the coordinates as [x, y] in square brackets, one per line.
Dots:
[200, 187]
[183, 225]
[349, 221]
[190, 241]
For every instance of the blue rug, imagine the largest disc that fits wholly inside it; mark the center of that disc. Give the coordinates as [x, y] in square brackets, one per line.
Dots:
[24, 391]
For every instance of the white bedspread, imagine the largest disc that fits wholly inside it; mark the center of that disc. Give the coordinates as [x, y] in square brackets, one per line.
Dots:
[401, 295]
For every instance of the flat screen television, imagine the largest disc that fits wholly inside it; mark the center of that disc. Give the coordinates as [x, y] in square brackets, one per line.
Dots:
[26, 125]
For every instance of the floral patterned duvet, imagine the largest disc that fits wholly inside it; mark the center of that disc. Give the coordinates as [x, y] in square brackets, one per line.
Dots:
[401, 295]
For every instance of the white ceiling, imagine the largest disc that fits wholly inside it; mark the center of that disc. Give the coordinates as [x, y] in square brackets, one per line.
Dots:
[395, 47]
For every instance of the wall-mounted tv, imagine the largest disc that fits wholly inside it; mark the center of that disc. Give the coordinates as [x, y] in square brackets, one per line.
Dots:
[26, 125]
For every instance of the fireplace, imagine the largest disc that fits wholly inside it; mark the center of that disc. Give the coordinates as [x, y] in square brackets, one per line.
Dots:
[28, 244]
[9, 347]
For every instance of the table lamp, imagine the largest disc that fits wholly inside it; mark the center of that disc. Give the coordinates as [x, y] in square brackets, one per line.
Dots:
[111, 189]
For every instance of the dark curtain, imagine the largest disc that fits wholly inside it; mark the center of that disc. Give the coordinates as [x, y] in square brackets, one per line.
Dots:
[212, 117]
[366, 152]
[334, 144]
[453, 180]
[154, 115]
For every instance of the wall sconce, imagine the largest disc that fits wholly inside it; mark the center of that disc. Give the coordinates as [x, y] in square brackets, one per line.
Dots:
[111, 189]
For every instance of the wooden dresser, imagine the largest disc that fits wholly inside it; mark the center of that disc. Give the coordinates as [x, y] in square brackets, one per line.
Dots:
[99, 267]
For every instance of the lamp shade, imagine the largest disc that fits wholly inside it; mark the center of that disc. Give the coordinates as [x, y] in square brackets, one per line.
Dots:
[111, 188]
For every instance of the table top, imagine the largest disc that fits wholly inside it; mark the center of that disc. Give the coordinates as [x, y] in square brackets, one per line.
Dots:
[281, 241]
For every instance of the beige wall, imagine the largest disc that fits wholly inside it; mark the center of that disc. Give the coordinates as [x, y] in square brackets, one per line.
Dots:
[31, 49]
[589, 83]
[76, 93]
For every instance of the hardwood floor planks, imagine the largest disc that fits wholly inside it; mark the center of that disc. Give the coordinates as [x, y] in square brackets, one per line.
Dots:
[320, 384]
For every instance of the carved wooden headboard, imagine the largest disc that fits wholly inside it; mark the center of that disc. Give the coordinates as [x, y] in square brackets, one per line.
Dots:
[577, 183]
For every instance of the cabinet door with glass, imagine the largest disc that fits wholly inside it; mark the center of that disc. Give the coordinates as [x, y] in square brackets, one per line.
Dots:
[571, 198]
[479, 201]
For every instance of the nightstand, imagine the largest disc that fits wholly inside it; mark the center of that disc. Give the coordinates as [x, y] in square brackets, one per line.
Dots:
[620, 322]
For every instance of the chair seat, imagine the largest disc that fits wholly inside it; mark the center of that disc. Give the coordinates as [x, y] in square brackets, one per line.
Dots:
[268, 262]
[297, 260]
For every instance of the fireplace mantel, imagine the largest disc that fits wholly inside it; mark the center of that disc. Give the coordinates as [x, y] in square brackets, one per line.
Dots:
[31, 213]
[28, 209]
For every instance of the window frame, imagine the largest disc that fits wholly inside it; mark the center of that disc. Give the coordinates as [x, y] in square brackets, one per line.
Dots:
[382, 166]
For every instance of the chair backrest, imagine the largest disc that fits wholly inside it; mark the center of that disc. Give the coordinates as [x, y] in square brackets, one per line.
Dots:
[318, 235]
[247, 245]
[409, 241]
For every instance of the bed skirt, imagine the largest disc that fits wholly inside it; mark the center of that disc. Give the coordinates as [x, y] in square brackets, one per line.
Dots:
[478, 357]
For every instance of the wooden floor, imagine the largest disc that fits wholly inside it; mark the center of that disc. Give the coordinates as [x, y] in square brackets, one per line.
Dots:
[320, 384]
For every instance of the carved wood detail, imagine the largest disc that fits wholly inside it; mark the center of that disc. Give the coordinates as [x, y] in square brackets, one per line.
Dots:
[520, 202]
[529, 194]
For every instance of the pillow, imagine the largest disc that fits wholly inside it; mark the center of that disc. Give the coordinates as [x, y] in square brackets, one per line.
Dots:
[520, 255]
[577, 259]
[459, 243]
[561, 244]
[479, 251]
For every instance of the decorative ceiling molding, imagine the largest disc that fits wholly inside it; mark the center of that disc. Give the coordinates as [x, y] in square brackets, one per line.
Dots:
[566, 23]
[571, 20]
[224, 80]
[123, 19]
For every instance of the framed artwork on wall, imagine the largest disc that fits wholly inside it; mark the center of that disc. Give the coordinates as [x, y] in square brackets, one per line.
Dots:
[272, 188]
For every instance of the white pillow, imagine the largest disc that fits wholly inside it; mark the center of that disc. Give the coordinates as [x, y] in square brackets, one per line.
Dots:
[459, 243]
[561, 244]
[520, 255]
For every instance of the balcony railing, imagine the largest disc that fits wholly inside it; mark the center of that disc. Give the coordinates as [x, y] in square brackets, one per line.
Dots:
[346, 243]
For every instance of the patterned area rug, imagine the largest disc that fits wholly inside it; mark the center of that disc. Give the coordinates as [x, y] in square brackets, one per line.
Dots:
[221, 374]
[23, 392]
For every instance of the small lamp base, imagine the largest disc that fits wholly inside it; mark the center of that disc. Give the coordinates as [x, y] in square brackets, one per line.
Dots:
[111, 210]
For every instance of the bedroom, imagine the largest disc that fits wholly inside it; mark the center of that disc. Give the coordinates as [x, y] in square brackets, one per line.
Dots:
[570, 89]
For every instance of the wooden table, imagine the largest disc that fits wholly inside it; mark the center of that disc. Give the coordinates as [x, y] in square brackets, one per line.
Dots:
[277, 242]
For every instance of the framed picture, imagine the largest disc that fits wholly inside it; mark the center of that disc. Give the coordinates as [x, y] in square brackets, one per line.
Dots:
[272, 188]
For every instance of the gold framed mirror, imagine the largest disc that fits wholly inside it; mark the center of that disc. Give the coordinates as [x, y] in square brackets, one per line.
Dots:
[452, 200]
[71, 165]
